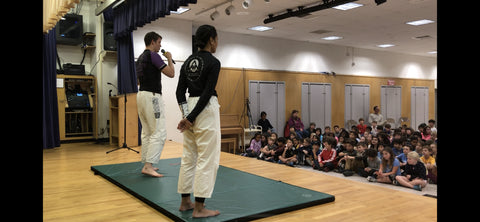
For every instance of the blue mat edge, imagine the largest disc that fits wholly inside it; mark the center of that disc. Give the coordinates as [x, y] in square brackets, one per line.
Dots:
[255, 216]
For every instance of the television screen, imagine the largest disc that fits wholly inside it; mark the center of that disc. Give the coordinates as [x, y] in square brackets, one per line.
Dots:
[69, 30]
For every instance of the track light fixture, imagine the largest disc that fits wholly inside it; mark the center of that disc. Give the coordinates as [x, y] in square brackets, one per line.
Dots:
[230, 9]
[214, 15]
[247, 3]
[325, 4]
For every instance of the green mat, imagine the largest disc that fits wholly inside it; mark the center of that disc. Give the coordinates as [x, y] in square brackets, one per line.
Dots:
[239, 196]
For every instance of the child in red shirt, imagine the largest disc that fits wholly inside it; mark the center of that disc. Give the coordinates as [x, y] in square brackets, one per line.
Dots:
[326, 159]
[361, 126]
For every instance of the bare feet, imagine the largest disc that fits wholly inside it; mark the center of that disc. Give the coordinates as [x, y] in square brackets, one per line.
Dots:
[201, 211]
[186, 206]
[148, 169]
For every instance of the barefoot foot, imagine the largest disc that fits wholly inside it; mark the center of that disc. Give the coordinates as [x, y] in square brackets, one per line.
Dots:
[186, 206]
[204, 213]
[151, 172]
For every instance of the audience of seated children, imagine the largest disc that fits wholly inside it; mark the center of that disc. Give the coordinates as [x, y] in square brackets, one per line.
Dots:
[326, 158]
[289, 155]
[375, 155]
[414, 172]
[389, 168]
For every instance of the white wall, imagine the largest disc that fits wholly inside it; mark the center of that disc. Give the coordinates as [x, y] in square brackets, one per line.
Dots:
[246, 51]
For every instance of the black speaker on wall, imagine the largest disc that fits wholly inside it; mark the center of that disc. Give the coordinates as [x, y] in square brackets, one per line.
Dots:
[109, 42]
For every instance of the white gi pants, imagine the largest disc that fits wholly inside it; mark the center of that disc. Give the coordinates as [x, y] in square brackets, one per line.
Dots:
[201, 151]
[151, 111]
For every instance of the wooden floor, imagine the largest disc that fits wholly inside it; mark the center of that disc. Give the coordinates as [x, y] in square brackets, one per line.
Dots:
[71, 192]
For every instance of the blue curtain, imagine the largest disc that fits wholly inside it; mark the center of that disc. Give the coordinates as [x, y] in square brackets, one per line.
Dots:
[126, 18]
[51, 134]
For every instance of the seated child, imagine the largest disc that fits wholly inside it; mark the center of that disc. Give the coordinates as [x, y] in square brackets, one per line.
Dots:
[360, 159]
[280, 148]
[397, 147]
[373, 164]
[403, 157]
[315, 151]
[255, 146]
[349, 154]
[304, 154]
[326, 159]
[429, 162]
[267, 152]
[361, 126]
[289, 155]
[415, 176]
[389, 168]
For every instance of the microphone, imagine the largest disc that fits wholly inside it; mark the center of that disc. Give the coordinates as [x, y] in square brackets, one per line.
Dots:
[163, 52]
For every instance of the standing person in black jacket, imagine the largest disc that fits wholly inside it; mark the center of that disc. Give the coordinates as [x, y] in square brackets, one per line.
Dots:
[200, 124]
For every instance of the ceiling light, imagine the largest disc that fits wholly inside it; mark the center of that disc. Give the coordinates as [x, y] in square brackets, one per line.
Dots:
[332, 38]
[214, 15]
[347, 6]
[385, 45]
[180, 11]
[420, 22]
[247, 3]
[260, 28]
[433, 52]
[380, 1]
[230, 9]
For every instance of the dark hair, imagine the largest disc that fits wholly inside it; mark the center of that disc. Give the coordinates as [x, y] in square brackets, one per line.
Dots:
[151, 36]
[371, 153]
[203, 35]
[282, 140]
[330, 140]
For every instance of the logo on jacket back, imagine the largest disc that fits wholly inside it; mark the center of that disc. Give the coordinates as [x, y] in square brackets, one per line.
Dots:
[194, 68]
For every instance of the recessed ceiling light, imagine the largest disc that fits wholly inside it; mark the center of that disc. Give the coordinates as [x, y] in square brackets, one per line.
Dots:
[332, 38]
[347, 6]
[432, 52]
[420, 22]
[385, 45]
[180, 10]
[260, 28]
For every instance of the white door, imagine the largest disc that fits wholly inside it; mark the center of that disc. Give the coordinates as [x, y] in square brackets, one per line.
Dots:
[268, 96]
[391, 103]
[317, 104]
[419, 106]
[357, 103]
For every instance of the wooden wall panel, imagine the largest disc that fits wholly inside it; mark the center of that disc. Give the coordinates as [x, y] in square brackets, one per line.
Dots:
[233, 90]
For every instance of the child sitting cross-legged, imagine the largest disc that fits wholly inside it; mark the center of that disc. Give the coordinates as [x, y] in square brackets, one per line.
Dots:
[289, 155]
[415, 173]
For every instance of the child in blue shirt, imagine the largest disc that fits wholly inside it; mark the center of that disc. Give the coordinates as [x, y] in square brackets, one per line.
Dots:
[389, 168]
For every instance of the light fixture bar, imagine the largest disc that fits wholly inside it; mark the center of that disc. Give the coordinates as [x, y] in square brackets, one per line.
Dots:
[303, 10]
